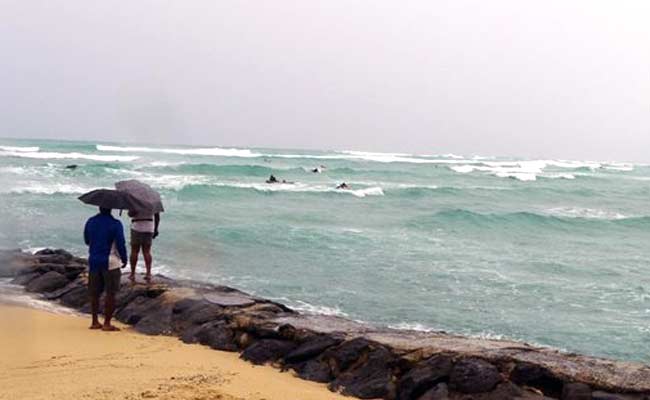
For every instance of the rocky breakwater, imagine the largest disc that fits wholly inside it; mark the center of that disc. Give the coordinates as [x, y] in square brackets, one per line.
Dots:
[356, 359]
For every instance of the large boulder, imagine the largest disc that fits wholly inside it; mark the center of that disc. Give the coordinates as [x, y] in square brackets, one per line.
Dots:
[341, 357]
[316, 370]
[311, 348]
[535, 376]
[189, 313]
[473, 375]
[424, 376]
[439, 392]
[55, 294]
[151, 316]
[24, 278]
[54, 252]
[76, 298]
[47, 282]
[371, 379]
[576, 391]
[267, 350]
[217, 335]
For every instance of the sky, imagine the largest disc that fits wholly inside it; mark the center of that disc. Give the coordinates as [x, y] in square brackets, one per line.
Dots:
[564, 79]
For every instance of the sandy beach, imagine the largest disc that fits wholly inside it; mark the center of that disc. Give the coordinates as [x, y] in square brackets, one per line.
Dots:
[52, 356]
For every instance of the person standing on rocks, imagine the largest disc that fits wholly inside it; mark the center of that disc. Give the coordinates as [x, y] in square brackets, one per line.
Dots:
[144, 228]
[102, 233]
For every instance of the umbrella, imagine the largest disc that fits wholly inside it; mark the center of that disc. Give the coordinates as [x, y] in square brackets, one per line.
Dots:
[142, 192]
[108, 198]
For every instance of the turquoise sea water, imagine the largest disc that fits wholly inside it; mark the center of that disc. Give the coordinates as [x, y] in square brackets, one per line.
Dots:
[546, 251]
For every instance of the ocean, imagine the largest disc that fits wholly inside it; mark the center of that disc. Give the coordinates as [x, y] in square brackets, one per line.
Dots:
[550, 252]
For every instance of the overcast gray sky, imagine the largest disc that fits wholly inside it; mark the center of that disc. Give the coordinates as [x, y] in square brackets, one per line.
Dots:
[566, 79]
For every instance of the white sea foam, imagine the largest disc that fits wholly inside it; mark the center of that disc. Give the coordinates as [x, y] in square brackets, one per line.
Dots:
[314, 309]
[72, 156]
[16, 295]
[407, 326]
[523, 171]
[212, 151]
[588, 213]
[365, 156]
[166, 163]
[14, 170]
[179, 182]
[303, 188]
[20, 149]
[174, 182]
[48, 188]
[559, 176]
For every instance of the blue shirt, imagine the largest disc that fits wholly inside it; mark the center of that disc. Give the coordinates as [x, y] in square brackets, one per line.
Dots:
[99, 234]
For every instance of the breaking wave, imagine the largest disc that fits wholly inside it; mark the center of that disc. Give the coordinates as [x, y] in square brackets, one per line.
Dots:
[212, 151]
[20, 148]
[72, 156]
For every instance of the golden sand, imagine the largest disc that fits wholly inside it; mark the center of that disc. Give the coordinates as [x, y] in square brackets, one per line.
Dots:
[51, 356]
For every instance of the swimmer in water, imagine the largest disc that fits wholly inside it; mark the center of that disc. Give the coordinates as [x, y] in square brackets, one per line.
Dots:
[343, 186]
[272, 179]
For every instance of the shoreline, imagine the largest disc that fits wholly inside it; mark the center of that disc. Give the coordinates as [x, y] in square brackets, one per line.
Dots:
[357, 359]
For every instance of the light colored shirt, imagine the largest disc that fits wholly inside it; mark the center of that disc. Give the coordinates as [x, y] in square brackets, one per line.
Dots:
[143, 226]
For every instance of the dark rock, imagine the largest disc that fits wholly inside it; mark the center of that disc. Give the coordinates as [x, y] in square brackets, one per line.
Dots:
[599, 395]
[157, 320]
[371, 379]
[424, 376]
[133, 312]
[341, 357]
[503, 391]
[24, 279]
[537, 377]
[234, 299]
[317, 370]
[473, 375]
[58, 252]
[60, 292]
[267, 350]
[189, 313]
[311, 348]
[76, 298]
[244, 339]
[217, 335]
[129, 292]
[43, 268]
[440, 392]
[47, 282]
[576, 391]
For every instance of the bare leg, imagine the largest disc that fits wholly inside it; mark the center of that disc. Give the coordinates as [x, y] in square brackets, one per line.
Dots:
[135, 249]
[109, 308]
[148, 260]
[94, 305]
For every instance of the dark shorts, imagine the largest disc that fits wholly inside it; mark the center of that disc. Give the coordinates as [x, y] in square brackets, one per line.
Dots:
[141, 238]
[104, 280]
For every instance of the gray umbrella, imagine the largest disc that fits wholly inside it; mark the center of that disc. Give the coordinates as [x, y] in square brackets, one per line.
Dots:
[144, 193]
[108, 198]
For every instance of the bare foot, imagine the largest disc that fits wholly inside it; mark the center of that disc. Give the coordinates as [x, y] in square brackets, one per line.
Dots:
[132, 278]
[147, 278]
[95, 325]
[110, 328]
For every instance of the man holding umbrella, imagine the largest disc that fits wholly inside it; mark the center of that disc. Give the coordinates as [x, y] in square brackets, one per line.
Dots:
[104, 236]
[102, 233]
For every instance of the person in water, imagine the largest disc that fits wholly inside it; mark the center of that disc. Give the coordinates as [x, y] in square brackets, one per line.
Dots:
[102, 233]
[343, 186]
[144, 228]
[272, 179]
